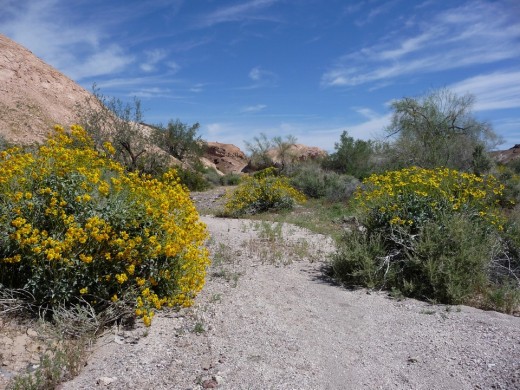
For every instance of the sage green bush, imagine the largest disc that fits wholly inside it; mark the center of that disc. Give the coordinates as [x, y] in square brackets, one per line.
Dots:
[437, 235]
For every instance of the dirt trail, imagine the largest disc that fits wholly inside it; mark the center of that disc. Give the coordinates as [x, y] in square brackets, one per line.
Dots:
[270, 320]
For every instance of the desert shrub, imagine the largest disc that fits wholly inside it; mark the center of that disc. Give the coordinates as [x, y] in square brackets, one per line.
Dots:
[230, 179]
[316, 182]
[352, 157]
[263, 191]
[439, 235]
[511, 180]
[192, 179]
[78, 229]
[212, 176]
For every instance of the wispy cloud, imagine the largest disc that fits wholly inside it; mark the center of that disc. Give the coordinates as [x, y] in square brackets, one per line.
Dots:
[104, 62]
[199, 87]
[153, 57]
[239, 12]
[255, 108]
[367, 112]
[375, 11]
[155, 93]
[499, 90]
[76, 48]
[455, 38]
[261, 78]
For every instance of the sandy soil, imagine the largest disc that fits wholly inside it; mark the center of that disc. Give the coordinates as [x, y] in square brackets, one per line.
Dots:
[272, 320]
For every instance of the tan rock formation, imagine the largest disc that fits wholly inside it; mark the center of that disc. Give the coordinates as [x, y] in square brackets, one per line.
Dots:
[33, 95]
[299, 152]
[506, 156]
[227, 158]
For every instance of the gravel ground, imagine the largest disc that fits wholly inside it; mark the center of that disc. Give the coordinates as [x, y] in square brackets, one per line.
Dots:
[268, 318]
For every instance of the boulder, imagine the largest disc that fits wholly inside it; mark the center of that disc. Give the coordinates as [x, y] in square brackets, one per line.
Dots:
[227, 158]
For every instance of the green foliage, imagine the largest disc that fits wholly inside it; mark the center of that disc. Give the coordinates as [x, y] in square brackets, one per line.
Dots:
[194, 180]
[180, 140]
[317, 183]
[438, 130]
[356, 259]
[230, 179]
[261, 192]
[511, 181]
[275, 152]
[352, 157]
[481, 162]
[111, 120]
[430, 234]
[258, 150]
[78, 229]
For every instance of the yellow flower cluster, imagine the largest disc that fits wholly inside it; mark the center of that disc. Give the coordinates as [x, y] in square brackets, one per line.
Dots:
[404, 197]
[261, 192]
[73, 217]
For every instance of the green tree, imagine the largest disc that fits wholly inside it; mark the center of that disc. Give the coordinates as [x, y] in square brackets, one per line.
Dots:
[180, 140]
[351, 157]
[438, 129]
[258, 151]
[274, 152]
[282, 147]
[110, 119]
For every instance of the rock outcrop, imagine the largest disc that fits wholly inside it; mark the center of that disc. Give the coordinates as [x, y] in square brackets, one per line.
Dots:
[506, 156]
[299, 152]
[227, 158]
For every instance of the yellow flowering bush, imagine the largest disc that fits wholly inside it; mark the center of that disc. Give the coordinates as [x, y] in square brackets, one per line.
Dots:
[413, 196]
[435, 234]
[76, 227]
[261, 192]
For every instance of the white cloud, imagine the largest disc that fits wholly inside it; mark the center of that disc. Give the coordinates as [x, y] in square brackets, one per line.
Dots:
[455, 38]
[76, 48]
[154, 92]
[499, 90]
[235, 13]
[199, 87]
[255, 74]
[367, 112]
[153, 57]
[103, 62]
[261, 78]
[255, 108]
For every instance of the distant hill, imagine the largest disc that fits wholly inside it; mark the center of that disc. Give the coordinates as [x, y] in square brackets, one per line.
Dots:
[506, 156]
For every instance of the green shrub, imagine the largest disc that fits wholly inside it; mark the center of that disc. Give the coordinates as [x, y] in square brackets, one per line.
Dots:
[431, 234]
[230, 179]
[76, 228]
[355, 262]
[193, 180]
[316, 182]
[261, 192]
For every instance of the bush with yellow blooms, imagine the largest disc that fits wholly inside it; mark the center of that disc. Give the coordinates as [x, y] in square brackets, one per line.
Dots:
[435, 234]
[75, 227]
[264, 190]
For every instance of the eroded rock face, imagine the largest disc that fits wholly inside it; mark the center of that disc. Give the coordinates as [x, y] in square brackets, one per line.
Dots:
[227, 158]
[505, 156]
[33, 95]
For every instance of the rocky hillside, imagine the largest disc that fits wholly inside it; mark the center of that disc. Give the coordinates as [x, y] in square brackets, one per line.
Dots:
[506, 156]
[33, 95]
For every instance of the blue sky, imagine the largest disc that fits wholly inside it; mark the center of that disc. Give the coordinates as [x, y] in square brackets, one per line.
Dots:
[308, 68]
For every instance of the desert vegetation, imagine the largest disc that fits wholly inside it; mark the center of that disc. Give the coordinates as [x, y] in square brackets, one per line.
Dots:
[433, 216]
[99, 226]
